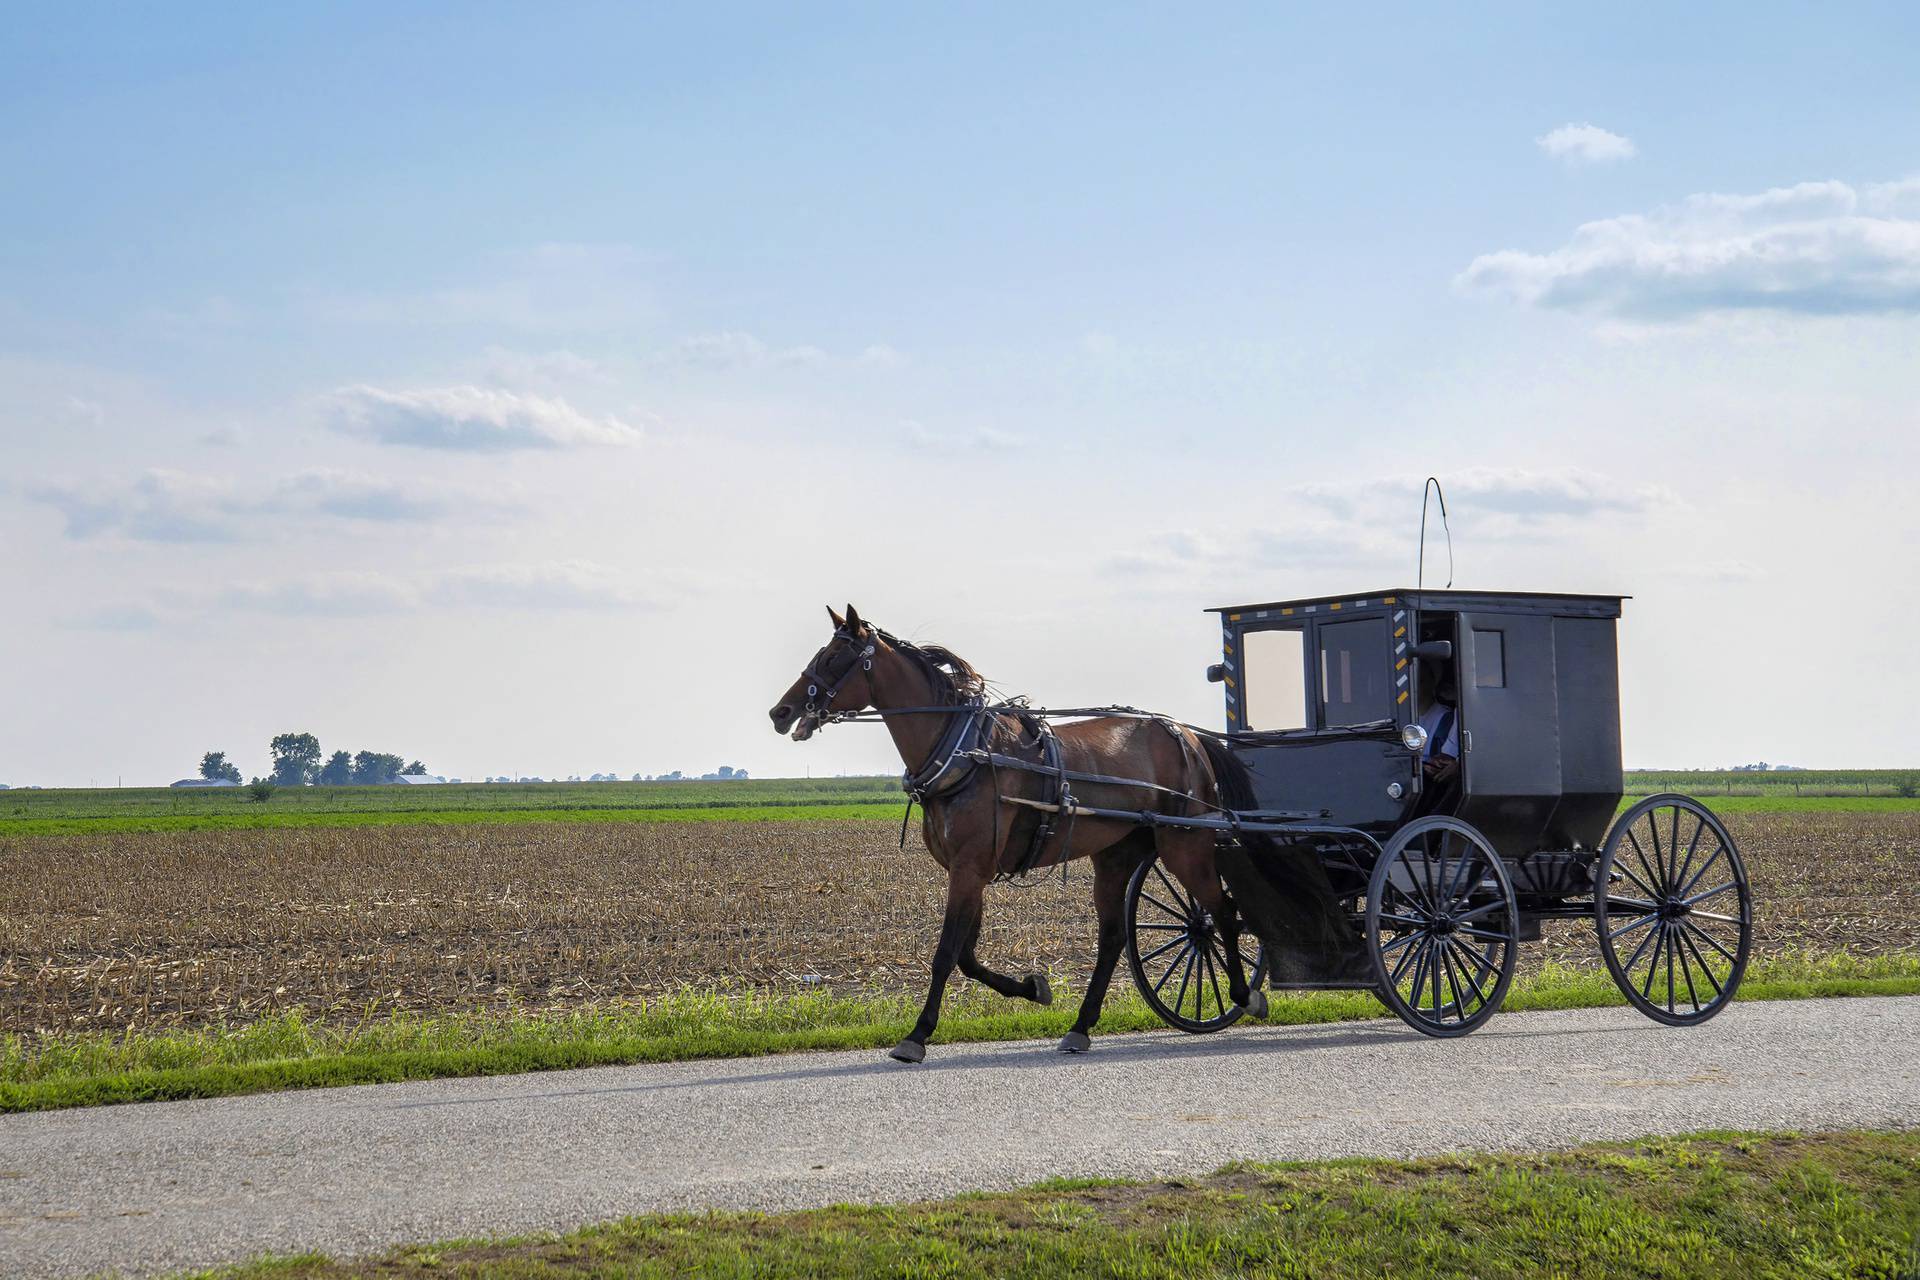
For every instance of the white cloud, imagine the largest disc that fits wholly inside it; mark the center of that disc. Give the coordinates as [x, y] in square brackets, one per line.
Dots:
[1586, 144]
[956, 439]
[472, 419]
[732, 350]
[1818, 248]
[540, 368]
[539, 587]
[174, 506]
[1520, 492]
[1363, 528]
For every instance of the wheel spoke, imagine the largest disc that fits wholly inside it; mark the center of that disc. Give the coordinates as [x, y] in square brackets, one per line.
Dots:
[1177, 914]
[1453, 984]
[1461, 952]
[1686, 968]
[1709, 939]
[1180, 1000]
[1477, 912]
[1701, 872]
[1488, 935]
[1398, 942]
[1162, 949]
[1393, 978]
[1460, 885]
[1161, 985]
[1641, 854]
[1644, 920]
[1705, 968]
[1708, 915]
[1634, 959]
[1653, 966]
[1213, 980]
[1693, 846]
[1669, 972]
[1627, 871]
[1659, 855]
[1162, 928]
[1439, 956]
[1711, 893]
[1175, 892]
[1419, 973]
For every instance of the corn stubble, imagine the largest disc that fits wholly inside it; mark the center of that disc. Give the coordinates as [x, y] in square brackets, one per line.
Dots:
[143, 931]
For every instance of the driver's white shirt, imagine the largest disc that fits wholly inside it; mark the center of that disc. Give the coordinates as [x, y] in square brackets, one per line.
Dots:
[1430, 721]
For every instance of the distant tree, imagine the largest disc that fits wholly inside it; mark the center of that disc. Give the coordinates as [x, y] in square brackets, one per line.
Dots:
[215, 767]
[296, 759]
[337, 771]
[261, 790]
[414, 770]
[371, 768]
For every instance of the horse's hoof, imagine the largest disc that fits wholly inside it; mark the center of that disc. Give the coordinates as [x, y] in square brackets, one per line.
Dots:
[1256, 1003]
[908, 1051]
[1075, 1042]
[1042, 990]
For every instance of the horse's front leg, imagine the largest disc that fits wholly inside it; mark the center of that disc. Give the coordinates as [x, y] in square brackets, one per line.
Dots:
[965, 889]
[1033, 987]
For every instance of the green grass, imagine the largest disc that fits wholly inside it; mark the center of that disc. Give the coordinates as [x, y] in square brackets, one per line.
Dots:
[1703, 1207]
[288, 1052]
[1794, 804]
[134, 809]
[80, 812]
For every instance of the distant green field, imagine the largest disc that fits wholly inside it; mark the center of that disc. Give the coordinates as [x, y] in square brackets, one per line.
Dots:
[111, 810]
[76, 811]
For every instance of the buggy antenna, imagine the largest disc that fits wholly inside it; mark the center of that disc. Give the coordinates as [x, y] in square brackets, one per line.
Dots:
[1420, 573]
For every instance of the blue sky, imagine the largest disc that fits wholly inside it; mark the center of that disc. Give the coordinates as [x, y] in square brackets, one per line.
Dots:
[511, 388]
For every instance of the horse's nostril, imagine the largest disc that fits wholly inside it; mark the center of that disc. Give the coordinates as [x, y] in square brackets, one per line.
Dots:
[781, 712]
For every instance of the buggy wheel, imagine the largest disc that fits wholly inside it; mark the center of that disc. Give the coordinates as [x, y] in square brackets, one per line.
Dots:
[1178, 956]
[1443, 925]
[1674, 911]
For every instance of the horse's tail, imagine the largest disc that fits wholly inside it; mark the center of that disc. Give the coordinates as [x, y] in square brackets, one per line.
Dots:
[1281, 887]
[1230, 777]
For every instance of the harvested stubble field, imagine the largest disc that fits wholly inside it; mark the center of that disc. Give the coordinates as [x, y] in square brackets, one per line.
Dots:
[188, 929]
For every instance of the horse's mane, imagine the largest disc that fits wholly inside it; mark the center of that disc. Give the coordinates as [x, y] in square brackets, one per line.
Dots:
[953, 678]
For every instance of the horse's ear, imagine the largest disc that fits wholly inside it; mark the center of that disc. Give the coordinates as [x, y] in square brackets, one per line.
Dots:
[838, 621]
[853, 618]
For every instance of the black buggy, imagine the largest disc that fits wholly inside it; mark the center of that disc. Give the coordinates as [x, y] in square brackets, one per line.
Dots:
[1356, 867]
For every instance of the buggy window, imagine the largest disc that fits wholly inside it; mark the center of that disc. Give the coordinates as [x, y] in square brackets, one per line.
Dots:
[1353, 673]
[1275, 688]
[1489, 659]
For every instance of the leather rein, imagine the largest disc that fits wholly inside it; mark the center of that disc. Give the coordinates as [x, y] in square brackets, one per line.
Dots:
[966, 745]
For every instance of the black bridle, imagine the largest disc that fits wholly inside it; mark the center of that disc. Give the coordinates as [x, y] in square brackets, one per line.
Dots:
[822, 687]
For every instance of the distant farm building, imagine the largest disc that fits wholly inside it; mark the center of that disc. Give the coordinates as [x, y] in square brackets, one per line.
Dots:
[204, 782]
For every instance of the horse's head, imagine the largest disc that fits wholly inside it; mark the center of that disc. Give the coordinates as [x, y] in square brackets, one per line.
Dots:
[840, 678]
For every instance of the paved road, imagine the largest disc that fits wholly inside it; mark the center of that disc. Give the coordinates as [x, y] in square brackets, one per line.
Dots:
[166, 1185]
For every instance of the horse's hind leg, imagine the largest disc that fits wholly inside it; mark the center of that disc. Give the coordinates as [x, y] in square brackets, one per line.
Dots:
[1033, 987]
[1189, 855]
[1111, 868]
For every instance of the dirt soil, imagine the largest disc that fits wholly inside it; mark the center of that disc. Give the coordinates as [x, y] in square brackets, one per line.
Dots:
[184, 929]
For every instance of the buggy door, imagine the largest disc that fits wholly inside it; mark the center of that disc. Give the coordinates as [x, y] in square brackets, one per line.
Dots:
[1509, 727]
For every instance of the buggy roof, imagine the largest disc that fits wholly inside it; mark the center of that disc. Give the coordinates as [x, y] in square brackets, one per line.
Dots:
[1441, 600]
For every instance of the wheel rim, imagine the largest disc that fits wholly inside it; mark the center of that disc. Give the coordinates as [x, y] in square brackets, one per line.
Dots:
[1442, 926]
[1178, 957]
[1674, 910]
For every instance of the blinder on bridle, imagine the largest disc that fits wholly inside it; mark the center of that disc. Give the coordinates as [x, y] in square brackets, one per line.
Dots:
[823, 688]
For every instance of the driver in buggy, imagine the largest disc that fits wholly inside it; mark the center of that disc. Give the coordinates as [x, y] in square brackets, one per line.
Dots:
[1440, 758]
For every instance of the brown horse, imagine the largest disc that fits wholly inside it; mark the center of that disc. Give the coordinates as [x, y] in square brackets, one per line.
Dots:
[973, 828]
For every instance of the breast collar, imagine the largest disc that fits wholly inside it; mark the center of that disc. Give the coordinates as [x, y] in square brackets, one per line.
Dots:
[949, 765]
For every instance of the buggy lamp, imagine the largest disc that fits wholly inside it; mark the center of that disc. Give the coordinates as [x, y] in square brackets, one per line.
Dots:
[1415, 737]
